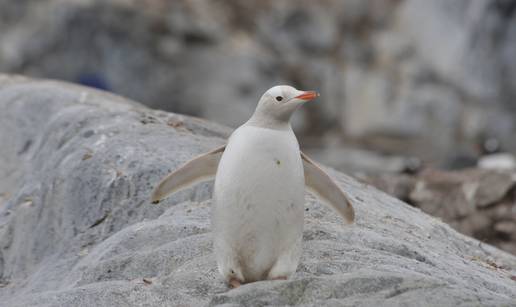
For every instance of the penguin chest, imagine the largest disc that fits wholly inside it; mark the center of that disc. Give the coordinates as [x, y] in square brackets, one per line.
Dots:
[259, 189]
[260, 168]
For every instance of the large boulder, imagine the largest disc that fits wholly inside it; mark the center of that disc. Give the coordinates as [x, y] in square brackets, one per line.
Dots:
[77, 229]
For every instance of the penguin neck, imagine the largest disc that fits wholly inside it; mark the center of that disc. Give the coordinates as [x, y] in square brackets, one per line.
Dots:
[266, 121]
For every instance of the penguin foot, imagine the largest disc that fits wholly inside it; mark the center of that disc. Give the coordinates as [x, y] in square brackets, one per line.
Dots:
[234, 283]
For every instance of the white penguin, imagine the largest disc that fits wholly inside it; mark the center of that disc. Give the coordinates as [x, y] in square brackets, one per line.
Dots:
[258, 196]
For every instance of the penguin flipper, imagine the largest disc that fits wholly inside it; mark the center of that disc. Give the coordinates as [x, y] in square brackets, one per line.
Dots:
[320, 183]
[200, 168]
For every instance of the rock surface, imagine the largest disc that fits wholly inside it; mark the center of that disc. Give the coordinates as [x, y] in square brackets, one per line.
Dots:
[77, 229]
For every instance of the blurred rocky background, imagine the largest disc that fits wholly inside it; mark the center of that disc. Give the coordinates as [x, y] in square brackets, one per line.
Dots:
[476, 202]
[405, 84]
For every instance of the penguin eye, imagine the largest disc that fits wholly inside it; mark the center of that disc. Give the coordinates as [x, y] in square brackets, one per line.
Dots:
[279, 98]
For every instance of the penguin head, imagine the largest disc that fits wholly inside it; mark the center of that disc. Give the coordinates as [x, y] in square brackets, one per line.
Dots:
[280, 102]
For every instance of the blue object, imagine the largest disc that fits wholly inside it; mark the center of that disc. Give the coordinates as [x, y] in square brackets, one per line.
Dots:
[93, 80]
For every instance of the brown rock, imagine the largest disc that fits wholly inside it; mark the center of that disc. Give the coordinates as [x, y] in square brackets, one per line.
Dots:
[506, 227]
[477, 202]
[477, 223]
[493, 186]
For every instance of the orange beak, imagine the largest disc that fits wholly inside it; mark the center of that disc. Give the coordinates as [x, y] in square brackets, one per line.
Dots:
[308, 95]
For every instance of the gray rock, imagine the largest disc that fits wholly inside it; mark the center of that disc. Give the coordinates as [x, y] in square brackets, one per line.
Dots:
[77, 229]
[472, 37]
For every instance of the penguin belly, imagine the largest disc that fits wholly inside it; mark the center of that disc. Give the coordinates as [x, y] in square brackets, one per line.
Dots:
[258, 200]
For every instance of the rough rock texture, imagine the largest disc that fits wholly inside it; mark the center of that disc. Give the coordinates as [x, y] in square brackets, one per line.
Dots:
[77, 229]
[407, 76]
[479, 203]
